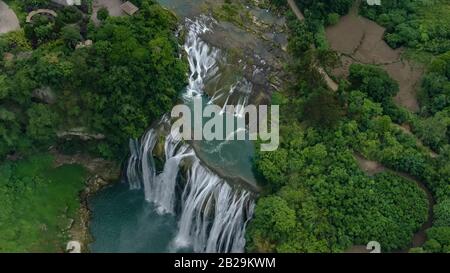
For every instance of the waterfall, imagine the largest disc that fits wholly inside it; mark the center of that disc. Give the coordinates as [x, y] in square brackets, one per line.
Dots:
[147, 162]
[164, 190]
[133, 168]
[201, 57]
[212, 214]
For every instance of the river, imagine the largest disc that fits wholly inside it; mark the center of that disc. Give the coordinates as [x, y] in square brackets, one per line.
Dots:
[203, 196]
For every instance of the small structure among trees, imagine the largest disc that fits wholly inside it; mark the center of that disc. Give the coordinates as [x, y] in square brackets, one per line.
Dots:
[40, 11]
[129, 8]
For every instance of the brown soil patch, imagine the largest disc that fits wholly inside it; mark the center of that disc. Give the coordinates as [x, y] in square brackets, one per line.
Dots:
[368, 166]
[360, 40]
[113, 7]
[357, 249]
[408, 77]
[346, 36]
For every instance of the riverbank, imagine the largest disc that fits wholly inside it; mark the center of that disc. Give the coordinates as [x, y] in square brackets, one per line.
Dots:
[101, 173]
[40, 200]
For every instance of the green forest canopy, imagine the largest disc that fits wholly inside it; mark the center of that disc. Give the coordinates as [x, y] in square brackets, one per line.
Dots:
[317, 198]
[117, 87]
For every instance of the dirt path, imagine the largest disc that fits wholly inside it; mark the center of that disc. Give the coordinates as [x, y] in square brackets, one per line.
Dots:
[328, 80]
[296, 10]
[8, 19]
[372, 168]
[407, 130]
[360, 40]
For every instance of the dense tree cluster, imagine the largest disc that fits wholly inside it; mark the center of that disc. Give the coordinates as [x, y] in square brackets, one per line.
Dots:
[52, 81]
[127, 79]
[417, 24]
[322, 8]
[373, 81]
[424, 27]
[317, 198]
[321, 201]
[433, 125]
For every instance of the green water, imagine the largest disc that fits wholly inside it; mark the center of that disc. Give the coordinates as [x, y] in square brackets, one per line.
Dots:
[230, 159]
[123, 222]
[184, 8]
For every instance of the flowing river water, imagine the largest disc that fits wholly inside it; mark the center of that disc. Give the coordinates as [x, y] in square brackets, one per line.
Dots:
[199, 196]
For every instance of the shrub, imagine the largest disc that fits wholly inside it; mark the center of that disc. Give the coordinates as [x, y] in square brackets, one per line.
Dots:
[102, 14]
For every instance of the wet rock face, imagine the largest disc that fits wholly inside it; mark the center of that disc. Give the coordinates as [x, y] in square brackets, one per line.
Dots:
[254, 42]
[95, 183]
[44, 95]
[81, 133]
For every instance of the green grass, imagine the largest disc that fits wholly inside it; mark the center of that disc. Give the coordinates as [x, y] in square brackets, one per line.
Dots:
[38, 202]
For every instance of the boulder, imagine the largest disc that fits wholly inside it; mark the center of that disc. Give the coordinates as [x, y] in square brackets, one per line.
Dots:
[44, 95]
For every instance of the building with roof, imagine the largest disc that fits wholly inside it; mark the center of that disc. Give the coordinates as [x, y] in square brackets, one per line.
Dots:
[129, 8]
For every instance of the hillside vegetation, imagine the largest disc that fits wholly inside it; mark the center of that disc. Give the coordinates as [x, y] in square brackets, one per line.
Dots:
[317, 199]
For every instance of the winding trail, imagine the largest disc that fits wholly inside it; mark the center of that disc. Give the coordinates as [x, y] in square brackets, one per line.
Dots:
[405, 128]
[296, 10]
[372, 168]
[8, 19]
[328, 80]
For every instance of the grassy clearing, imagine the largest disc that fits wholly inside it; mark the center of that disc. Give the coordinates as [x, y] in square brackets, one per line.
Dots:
[38, 203]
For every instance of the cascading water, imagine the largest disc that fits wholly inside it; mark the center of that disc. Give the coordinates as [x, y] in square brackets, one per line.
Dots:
[201, 57]
[206, 194]
[212, 214]
[164, 189]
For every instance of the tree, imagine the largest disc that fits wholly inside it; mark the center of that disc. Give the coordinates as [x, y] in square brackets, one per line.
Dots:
[9, 131]
[102, 14]
[322, 109]
[42, 123]
[442, 213]
[438, 240]
[272, 166]
[4, 86]
[373, 81]
[333, 19]
[273, 221]
[36, 3]
[433, 130]
[71, 35]
[70, 15]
